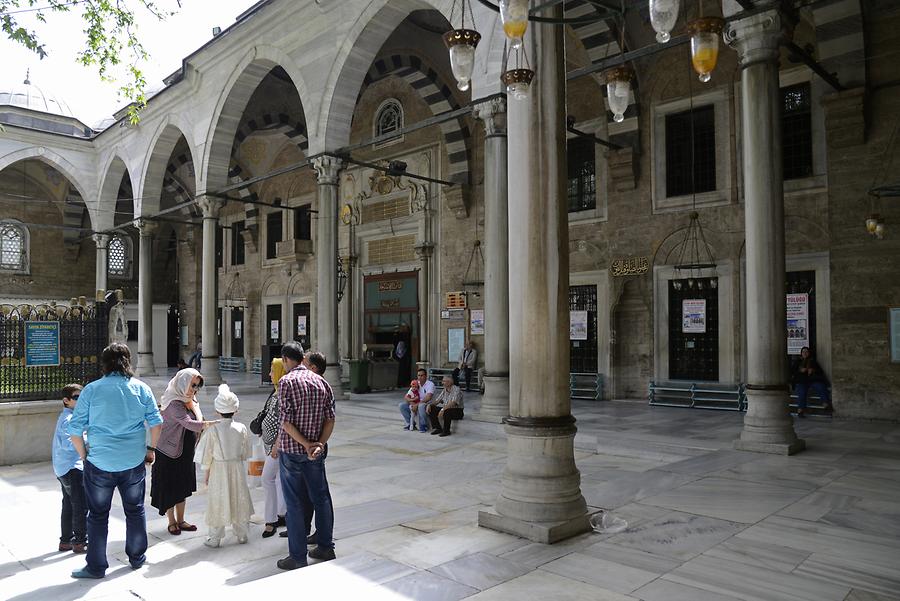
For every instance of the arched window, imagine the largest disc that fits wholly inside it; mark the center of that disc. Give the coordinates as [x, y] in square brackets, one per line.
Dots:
[119, 257]
[389, 119]
[13, 247]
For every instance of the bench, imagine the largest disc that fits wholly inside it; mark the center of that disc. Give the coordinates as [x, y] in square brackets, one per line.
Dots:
[814, 403]
[586, 386]
[436, 375]
[232, 364]
[699, 395]
[256, 366]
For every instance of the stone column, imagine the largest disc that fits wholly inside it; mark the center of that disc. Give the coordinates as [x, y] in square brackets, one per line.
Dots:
[210, 357]
[145, 366]
[327, 169]
[102, 262]
[347, 348]
[424, 252]
[767, 424]
[540, 497]
[495, 401]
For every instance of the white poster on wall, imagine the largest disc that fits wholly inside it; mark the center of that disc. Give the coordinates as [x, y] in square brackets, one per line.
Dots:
[238, 328]
[301, 325]
[693, 316]
[476, 321]
[456, 339]
[797, 322]
[274, 330]
[578, 325]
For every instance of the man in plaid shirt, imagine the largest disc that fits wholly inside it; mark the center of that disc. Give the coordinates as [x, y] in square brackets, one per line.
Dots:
[306, 404]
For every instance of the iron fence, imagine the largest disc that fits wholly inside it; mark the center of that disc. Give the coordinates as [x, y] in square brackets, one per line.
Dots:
[82, 336]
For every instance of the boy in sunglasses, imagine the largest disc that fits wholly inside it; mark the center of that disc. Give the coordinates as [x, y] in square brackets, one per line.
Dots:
[68, 467]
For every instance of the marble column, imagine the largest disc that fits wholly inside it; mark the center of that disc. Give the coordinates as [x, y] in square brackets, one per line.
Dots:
[495, 401]
[424, 251]
[102, 261]
[145, 366]
[326, 340]
[768, 427]
[347, 349]
[208, 306]
[540, 497]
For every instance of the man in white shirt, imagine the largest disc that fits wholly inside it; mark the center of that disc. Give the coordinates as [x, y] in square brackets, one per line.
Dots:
[426, 391]
[468, 359]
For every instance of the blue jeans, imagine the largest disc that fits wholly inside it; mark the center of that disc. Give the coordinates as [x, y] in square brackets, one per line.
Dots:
[98, 492]
[407, 415]
[74, 511]
[802, 391]
[305, 491]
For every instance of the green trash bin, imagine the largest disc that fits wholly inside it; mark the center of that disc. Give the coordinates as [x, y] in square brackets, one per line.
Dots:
[359, 376]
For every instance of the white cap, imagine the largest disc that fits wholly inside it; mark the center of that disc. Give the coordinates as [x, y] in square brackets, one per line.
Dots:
[226, 401]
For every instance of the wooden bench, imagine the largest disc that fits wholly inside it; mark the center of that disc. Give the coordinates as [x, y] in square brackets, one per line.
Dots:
[699, 395]
[232, 364]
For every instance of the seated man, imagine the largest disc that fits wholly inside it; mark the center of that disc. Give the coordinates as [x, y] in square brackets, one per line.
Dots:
[447, 406]
[426, 391]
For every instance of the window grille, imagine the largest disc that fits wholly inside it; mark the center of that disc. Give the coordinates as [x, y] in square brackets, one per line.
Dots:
[13, 247]
[796, 131]
[273, 233]
[117, 257]
[237, 243]
[389, 119]
[581, 187]
[691, 139]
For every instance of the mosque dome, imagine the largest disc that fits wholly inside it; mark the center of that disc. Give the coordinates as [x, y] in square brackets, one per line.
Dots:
[28, 96]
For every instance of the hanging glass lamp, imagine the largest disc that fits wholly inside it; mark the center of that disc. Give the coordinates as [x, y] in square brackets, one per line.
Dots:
[663, 15]
[518, 82]
[872, 223]
[514, 15]
[705, 33]
[462, 43]
[618, 91]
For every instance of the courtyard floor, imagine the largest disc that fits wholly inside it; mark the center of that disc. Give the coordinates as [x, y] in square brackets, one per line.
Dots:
[705, 522]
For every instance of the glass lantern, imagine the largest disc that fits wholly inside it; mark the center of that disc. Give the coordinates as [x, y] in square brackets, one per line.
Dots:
[462, 43]
[872, 223]
[663, 14]
[705, 45]
[618, 91]
[879, 228]
[514, 14]
[518, 82]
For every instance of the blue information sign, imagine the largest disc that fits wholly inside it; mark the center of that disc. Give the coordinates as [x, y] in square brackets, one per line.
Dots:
[41, 343]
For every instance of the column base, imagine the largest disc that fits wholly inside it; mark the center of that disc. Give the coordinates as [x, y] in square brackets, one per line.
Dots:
[333, 377]
[768, 427]
[539, 532]
[773, 448]
[209, 369]
[145, 365]
[495, 400]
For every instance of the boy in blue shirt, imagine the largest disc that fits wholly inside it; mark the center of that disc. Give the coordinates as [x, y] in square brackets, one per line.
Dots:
[68, 467]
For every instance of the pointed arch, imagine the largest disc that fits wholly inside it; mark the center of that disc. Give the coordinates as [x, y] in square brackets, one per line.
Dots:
[156, 166]
[111, 182]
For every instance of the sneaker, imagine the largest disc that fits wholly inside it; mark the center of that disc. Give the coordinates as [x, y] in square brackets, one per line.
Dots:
[65, 546]
[289, 563]
[79, 548]
[83, 573]
[283, 534]
[443, 434]
[322, 554]
[212, 543]
[136, 565]
[436, 431]
[312, 539]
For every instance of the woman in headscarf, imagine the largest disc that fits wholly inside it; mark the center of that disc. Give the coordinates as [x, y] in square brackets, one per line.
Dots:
[404, 363]
[271, 481]
[173, 477]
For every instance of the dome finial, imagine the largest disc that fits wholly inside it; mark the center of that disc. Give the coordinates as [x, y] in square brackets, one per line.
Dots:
[27, 77]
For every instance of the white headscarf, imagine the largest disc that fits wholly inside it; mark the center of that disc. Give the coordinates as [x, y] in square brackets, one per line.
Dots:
[179, 388]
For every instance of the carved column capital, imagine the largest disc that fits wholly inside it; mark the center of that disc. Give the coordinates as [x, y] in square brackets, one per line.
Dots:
[327, 169]
[493, 114]
[424, 250]
[210, 206]
[101, 240]
[146, 227]
[757, 38]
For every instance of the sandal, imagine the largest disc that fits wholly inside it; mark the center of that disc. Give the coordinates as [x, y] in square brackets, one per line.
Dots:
[187, 527]
[274, 528]
[174, 529]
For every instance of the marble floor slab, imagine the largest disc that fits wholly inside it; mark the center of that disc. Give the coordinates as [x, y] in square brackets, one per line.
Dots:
[631, 487]
[848, 571]
[602, 573]
[534, 555]
[633, 558]
[544, 586]
[677, 535]
[710, 462]
[763, 555]
[375, 515]
[789, 472]
[817, 504]
[480, 570]
[425, 586]
[443, 546]
[666, 590]
[723, 498]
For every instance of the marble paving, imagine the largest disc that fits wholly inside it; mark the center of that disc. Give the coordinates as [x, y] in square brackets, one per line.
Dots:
[705, 522]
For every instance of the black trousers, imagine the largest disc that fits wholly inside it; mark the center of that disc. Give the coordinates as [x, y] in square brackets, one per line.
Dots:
[449, 415]
[74, 509]
[466, 374]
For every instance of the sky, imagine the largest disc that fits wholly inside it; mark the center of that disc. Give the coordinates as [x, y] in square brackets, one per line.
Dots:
[90, 98]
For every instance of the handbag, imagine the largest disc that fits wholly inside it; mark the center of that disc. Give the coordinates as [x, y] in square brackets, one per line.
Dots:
[256, 423]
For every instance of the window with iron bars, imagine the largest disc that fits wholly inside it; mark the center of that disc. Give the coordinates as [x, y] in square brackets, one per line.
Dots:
[796, 131]
[117, 257]
[691, 151]
[237, 243]
[581, 186]
[13, 251]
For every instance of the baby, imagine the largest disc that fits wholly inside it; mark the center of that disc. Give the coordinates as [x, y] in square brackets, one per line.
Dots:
[412, 397]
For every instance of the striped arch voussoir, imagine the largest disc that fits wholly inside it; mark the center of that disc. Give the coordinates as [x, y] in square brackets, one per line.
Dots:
[175, 186]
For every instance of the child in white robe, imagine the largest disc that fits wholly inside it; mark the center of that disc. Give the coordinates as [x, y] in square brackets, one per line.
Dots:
[222, 451]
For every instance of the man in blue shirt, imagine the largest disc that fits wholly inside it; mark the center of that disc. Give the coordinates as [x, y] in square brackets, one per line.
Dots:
[67, 465]
[114, 412]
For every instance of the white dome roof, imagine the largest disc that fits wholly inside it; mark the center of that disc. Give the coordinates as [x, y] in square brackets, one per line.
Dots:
[29, 96]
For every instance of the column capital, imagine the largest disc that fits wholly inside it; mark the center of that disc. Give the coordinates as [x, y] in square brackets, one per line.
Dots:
[210, 206]
[757, 38]
[145, 227]
[327, 168]
[101, 240]
[424, 250]
[493, 114]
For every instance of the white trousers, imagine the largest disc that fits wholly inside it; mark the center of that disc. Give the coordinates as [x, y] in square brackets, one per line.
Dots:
[271, 482]
[240, 531]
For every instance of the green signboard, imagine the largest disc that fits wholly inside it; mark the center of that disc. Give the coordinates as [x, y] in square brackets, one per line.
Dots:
[41, 343]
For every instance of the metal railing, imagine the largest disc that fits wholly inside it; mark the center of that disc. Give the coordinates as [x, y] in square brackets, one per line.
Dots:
[729, 397]
[586, 386]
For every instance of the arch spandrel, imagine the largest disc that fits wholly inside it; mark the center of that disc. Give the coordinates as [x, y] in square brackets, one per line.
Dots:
[163, 142]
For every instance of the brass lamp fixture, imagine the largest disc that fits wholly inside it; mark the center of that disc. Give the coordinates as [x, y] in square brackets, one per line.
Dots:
[514, 15]
[518, 80]
[705, 33]
[663, 15]
[462, 43]
[618, 91]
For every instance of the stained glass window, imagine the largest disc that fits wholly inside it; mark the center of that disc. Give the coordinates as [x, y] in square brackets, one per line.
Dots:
[117, 258]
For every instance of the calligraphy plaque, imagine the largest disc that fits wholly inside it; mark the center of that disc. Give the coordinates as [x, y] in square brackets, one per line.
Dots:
[630, 266]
